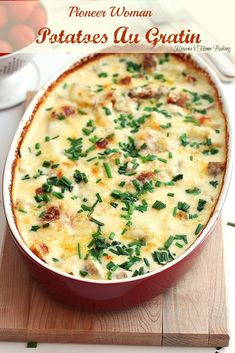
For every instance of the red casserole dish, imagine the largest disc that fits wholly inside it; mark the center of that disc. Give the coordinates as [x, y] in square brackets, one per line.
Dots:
[104, 294]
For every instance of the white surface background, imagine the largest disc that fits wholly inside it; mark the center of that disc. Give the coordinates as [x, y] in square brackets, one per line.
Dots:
[8, 123]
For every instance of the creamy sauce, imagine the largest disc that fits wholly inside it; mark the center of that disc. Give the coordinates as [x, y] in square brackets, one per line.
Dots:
[121, 167]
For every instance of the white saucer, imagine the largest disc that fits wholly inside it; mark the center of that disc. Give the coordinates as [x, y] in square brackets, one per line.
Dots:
[13, 89]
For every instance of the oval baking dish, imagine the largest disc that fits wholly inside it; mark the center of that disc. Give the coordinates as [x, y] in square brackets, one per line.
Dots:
[135, 182]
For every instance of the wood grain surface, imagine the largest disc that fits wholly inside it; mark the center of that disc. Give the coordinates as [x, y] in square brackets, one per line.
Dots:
[192, 313]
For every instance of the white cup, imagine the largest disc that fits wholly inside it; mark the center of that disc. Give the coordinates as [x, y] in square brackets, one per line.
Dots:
[18, 74]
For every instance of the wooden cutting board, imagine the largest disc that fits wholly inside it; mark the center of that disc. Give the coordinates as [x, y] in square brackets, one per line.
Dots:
[192, 313]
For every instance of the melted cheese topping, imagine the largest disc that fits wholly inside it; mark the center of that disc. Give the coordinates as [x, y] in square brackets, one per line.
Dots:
[121, 167]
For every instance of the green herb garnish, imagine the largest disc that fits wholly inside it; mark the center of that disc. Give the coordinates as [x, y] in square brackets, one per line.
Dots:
[107, 111]
[108, 170]
[198, 229]
[158, 205]
[193, 191]
[201, 205]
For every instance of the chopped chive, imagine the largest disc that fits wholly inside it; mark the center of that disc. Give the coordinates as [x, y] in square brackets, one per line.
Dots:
[79, 251]
[193, 191]
[107, 111]
[146, 262]
[167, 126]
[86, 208]
[65, 85]
[32, 345]
[211, 151]
[48, 109]
[26, 177]
[107, 170]
[59, 195]
[98, 181]
[183, 139]
[109, 276]
[181, 237]
[46, 225]
[46, 164]
[162, 160]
[48, 138]
[22, 210]
[201, 205]
[198, 229]
[170, 155]
[158, 205]
[114, 204]
[83, 273]
[66, 182]
[178, 177]
[170, 194]
[34, 228]
[183, 206]
[148, 158]
[111, 235]
[174, 213]
[117, 161]
[192, 216]
[103, 74]
[38, 153]
[19, 153]
[169, 241]
[214, 183]
[99, 197]
[231, 224]
[61, 117]
[54, 259]
[179, 245]
[100, 224]
[37, 146]
[91, 159]
[54, 166]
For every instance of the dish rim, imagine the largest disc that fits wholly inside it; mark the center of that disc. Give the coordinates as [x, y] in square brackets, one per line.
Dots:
[26, 120]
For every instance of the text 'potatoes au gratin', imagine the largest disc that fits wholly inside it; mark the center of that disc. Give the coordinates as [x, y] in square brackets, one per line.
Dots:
[121, 166]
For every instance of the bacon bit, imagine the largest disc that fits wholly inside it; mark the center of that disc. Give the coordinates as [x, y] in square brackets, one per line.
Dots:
[44, 248]
[125, 80]
[39, 191]
[109, 257]
[54, 115]
[191, 79]
[149, 62]
[102, 143]
[181, 215]
[177, 98]
[36, 252]
[52, 214]
[109, 95]
[204, 119]
[59, 174]
[215, 168]
[68, 110]
[144, 176]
